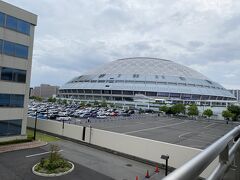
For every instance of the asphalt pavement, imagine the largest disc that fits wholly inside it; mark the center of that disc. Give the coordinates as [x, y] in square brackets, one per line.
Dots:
[89, 164]
[191, 133]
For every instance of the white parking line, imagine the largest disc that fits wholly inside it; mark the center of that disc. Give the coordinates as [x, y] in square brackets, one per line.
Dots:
[39, 154]
[209, 125]
[184, 134]
[155, 127]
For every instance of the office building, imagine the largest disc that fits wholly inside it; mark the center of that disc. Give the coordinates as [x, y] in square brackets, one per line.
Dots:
[16, 47]
[45, 91]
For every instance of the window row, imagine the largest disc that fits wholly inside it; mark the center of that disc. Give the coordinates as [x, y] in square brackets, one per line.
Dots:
[147, 82]
[147, 93]
[10, 127]
[11, 100]
[15, 24]
[13, 49]
[14, 75]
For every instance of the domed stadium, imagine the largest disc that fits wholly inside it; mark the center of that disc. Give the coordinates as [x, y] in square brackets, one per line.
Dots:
[138, 80]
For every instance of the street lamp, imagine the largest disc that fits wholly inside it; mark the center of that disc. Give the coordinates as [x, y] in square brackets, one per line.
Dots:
[35, 127]
[165, 157]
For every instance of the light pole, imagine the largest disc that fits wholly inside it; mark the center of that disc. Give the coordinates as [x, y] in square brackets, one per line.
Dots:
[35, 126]
[165, 157]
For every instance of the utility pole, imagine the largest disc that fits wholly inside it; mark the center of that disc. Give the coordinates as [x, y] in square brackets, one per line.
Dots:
[35, 127]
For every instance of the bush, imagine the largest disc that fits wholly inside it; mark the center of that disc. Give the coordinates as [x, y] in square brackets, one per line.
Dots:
[54, 163]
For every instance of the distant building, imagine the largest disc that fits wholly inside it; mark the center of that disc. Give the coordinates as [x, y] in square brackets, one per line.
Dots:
[45, 91]
[16, 45]
[236, 93]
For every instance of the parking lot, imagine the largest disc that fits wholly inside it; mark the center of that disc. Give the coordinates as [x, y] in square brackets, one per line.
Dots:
[191, 133]
[182, 131]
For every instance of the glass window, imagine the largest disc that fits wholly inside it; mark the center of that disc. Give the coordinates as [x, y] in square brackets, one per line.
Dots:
[151, 93]
[8, 48]
[10, 74]
[21, 51]
[10, 127]
[13, 49]
[20, 76]
[3, 128]
[11, 22]
[11, 100]
[2, 19]
[128, 92]
[14, 127]
[16, 100]
[1, 46]
[4, 100]
[163, 94]
[23, 27]
[7, 74]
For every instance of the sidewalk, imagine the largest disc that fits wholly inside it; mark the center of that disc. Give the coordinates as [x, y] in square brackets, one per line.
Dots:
[28, 145]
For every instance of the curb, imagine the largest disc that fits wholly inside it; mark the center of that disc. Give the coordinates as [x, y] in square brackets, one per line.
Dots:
[54, 174]
[21, 146]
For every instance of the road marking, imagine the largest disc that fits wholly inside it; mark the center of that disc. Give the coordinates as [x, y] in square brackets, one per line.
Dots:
[209, 125]
[39, 154]
[155, 128]
[184, 134]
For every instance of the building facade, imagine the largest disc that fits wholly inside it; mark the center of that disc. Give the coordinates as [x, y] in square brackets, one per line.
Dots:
[142, 81]
[236, 93]
[16, 46]
[45, 91]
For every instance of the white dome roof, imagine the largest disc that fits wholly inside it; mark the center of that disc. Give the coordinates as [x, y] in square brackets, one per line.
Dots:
[147, 66]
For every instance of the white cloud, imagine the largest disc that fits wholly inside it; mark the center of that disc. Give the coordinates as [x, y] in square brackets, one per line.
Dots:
[75, 36]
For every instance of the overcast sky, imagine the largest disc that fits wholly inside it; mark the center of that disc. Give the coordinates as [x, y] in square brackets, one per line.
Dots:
[74, 36]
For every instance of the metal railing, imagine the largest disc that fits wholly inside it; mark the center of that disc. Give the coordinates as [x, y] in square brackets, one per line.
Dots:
[227, 157]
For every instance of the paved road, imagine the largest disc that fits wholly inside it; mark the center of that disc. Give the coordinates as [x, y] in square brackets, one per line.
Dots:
[16, 166]
[89, 164]
[114, 166]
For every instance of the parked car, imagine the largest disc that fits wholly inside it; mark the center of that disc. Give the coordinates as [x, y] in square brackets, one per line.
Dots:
[101, 116]
[85, 115]
[63, 118]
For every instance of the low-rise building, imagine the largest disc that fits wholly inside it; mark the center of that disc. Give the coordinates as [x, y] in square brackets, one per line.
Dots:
[45, 91]
[236, 93]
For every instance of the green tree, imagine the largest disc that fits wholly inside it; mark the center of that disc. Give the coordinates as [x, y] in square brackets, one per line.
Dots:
[235, 110]
[82, 104]
[38, 98]
[178, 108]
[193, 110]
[164, 108]
[64, 101]
[208, 113]
[227, 114]
[141, 111]
[96, 103]
[59, 101]
[53, 100]
[103, 103]
[89, 105]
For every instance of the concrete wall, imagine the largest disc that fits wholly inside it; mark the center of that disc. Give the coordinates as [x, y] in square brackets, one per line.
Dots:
[139, 147]
[69, 130]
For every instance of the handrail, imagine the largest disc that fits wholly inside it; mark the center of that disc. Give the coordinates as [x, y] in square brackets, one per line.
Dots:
[193, 168]
[222, 167]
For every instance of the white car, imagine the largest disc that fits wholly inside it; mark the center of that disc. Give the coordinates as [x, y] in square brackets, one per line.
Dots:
[63, 118]
[101, 116]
